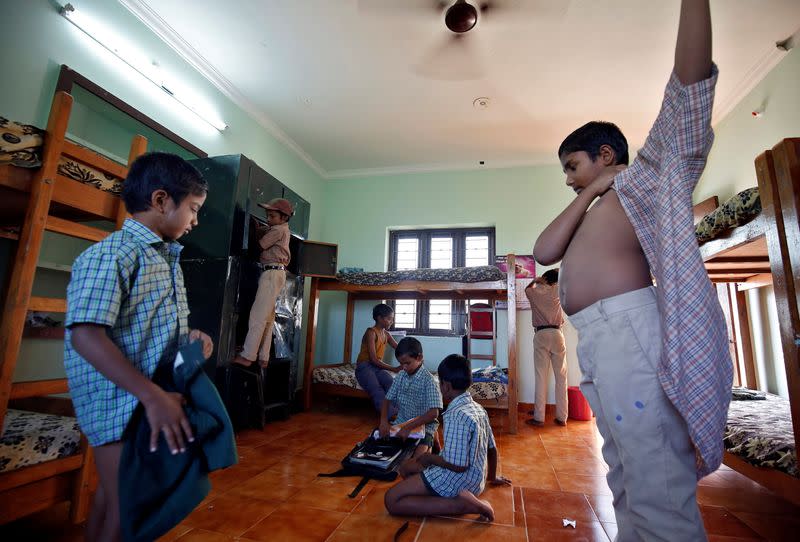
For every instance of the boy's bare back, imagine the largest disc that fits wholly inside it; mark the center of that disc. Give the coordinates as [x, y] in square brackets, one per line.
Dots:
[603, 258]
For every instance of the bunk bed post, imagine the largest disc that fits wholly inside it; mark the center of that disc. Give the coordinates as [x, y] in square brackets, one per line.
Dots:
[138, 148]
[82, 489]
[747, 342]
[348, 328]
[511, 297]
[30, 240]
[782, 173]
[311, 339]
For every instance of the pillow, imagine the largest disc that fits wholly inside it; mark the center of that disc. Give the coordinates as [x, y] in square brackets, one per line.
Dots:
[738, 210]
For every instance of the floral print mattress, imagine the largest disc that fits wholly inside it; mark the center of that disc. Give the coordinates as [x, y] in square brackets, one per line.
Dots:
[760, 432]
[21, 146]
[345, 375]
[483, 273]
[30, 438]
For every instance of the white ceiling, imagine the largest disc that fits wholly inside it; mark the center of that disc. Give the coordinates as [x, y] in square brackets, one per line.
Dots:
[360, 87]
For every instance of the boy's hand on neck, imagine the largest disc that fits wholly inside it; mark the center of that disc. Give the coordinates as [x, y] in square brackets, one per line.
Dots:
[605, 180]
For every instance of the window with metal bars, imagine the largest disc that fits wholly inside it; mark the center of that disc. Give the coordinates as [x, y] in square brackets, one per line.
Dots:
[437, 249]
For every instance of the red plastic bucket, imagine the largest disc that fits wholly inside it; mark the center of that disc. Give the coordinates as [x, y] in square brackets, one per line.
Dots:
[579, 408]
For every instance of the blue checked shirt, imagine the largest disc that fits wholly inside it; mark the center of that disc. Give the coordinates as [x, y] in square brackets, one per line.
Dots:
[130, 282]
[415, 395]
[696, 371]
[467, 437]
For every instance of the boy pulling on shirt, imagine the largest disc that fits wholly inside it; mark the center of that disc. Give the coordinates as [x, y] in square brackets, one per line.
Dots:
[448, 484]
[274, 243]
[416, 396]
[655, 362]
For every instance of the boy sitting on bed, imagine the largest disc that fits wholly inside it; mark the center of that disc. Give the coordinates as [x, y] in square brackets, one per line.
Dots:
[372, 373]
[655, 362]
[126, 315]
[448, 484]
[416, 396]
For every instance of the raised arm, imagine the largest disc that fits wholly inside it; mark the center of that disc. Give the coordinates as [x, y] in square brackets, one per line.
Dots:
[693, 47]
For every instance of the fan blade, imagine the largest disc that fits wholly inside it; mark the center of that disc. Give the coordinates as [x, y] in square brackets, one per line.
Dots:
[536, 9]
[452, 59]
[400, 7]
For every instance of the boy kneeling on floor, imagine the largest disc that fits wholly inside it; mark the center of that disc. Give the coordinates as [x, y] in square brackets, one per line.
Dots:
[448, 484]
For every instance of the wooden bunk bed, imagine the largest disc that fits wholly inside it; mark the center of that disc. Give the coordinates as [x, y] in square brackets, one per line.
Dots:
[494, 290]
[37, 200]
[766, 251]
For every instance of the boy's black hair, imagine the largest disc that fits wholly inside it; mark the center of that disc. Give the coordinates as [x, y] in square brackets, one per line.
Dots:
[160, 171]
[408, 346]
[381, 310]
[550, 276]
[456, 369]
[591, 136]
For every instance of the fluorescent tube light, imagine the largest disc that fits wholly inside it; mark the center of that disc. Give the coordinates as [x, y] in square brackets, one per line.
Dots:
[141, 64]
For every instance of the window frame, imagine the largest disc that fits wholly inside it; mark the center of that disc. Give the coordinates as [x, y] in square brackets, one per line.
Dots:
[424, 236]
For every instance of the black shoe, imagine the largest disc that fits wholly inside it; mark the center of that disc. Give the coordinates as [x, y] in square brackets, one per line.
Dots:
[535, 423]
[562, 423]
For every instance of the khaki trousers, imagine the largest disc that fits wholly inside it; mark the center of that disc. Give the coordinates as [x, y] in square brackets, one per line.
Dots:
[549, 350]
[262, 315]
[646, 443]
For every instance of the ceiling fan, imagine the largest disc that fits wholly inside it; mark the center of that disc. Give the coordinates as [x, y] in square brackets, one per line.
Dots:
[454, 57]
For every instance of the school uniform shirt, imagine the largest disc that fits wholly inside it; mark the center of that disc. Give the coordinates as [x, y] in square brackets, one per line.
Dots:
[696, 371]
[275, 245]
[467, 437]
[131, 283]
[545, 305]
[415, 395]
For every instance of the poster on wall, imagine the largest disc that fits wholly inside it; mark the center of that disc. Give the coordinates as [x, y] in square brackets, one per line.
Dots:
[525, 266]
[525, 272]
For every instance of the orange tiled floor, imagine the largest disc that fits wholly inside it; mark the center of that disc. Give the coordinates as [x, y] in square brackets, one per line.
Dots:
[274, 493]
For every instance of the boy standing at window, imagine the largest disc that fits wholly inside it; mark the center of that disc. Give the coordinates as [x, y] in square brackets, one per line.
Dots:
[655, 362]
[274, 243]
[126, 315]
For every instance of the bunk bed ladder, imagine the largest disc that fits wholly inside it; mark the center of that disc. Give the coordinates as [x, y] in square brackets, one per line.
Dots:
[19, 299]
[479, 309]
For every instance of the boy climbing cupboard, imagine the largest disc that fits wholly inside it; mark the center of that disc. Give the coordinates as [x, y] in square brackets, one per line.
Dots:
[220, 257]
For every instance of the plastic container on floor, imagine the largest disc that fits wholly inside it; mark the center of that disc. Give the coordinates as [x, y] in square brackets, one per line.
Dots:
[579, 408]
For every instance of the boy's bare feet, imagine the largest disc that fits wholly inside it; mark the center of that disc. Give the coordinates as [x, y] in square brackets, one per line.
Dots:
[477, 506]
[243, 361]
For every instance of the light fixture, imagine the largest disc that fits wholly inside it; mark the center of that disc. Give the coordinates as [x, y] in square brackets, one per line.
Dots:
[141, 64]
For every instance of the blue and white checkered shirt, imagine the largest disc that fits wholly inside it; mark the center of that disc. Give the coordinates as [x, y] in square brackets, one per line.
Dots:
[467, 437]
[130, 282]
[415, 395]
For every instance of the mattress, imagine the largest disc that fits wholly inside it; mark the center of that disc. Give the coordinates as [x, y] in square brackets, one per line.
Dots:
[760, 432]
[483, 273]
[345, 375]
[30, 438]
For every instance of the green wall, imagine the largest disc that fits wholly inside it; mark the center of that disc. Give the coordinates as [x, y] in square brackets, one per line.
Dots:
[37, 40]
[520, 202]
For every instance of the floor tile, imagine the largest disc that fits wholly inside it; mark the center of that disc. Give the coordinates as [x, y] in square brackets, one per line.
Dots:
[538, 479]
[581, 483]
[557, 504]
[719, 521]
[273, 486]
[202, 535]
[328, 494]
[453, 530]
[296, 523]
[777, 528]
[553, 529]
[230, 514]
[365, 528]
